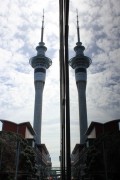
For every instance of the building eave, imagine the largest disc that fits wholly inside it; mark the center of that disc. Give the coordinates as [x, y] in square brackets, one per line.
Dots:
[28, 125]
[91, 126]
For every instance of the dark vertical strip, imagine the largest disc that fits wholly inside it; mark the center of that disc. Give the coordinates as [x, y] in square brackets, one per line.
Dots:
[62, 91]
[68, 159]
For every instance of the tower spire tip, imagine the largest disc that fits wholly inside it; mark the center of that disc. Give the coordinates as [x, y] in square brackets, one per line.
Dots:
[42, 28]
[78, 30]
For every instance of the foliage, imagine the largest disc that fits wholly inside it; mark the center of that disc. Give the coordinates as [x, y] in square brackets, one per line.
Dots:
[10, 145]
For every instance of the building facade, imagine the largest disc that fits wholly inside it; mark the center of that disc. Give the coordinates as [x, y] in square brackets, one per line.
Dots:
[24, 129]
[102, 145]
[43, 159]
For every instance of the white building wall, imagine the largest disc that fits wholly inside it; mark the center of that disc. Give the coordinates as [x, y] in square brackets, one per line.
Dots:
[92, 134]
[28, 134]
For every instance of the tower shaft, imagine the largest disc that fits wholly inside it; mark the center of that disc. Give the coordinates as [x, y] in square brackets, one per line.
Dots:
[80, 63]
[81, 86]
[39, 86]
[81, 81]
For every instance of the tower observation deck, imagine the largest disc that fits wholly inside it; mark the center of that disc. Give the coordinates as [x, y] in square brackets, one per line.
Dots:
[80, 63]
[40, 63]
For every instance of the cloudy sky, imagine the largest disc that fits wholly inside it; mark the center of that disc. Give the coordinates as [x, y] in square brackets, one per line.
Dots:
[20, 27]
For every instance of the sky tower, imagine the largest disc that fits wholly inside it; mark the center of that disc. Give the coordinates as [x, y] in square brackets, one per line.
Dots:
[80, 63]
[40, 63]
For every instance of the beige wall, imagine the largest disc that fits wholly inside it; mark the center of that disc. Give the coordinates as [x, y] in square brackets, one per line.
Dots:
[92, 134]
[28, 135]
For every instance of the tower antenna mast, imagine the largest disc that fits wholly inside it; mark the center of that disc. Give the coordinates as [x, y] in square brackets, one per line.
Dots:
[42, 28]
[78, 31]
